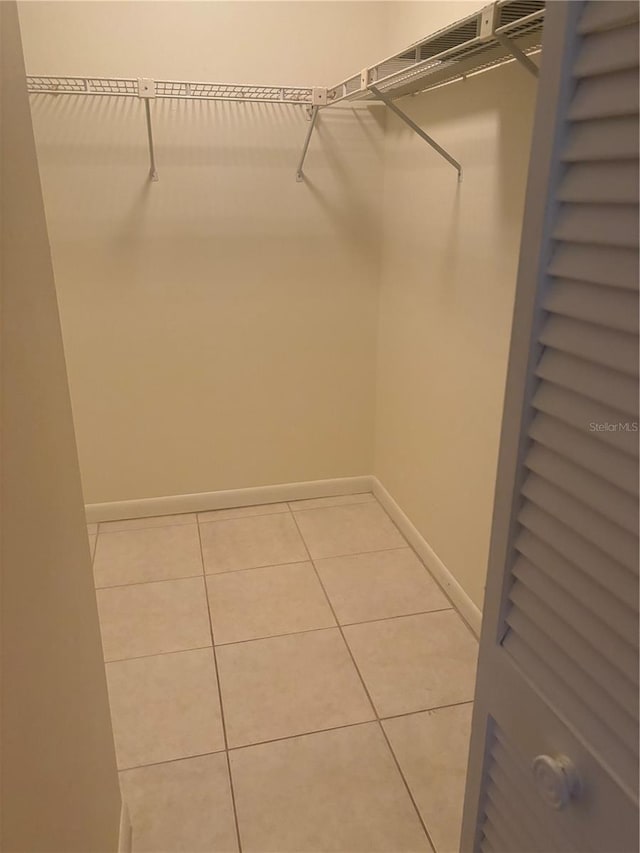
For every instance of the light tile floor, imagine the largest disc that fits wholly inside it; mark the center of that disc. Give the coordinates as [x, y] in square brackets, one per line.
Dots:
[283, 679]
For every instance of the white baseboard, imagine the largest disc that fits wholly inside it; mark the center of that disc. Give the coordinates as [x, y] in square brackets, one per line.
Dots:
[469, 611]
[203, 501]
[125, 837]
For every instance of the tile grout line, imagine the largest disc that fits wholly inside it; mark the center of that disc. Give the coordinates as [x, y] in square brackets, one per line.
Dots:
[168, 761]
[277, 565]
[148, 583]
[159, 654]
[346, 726]
[427, 710]
[298, 735]
[222, 717]
[197, 513]
[327, 627]
[290, 634]
[368, 695]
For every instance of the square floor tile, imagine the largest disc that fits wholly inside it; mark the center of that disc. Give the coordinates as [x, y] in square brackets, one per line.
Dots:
[152, 618]
[164, 707]
[247, 543]
[333, 792]
[284, 686]
[378, 585]
[337, 500]
[242, 512]
[349, 529]
[432, 749]
[265, 602]
[181, 807]
[414, 663]
[136, 556]
[151, 521]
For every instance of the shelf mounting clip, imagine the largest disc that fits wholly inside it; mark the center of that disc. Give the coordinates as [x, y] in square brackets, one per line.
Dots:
[416, 129]
[318, 99]
[146, 91]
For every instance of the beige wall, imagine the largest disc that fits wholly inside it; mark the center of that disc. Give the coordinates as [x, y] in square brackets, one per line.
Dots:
[59, 782]
[448, 278]
[220, 325]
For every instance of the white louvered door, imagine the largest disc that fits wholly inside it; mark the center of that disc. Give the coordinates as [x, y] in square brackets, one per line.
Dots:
[554, 752]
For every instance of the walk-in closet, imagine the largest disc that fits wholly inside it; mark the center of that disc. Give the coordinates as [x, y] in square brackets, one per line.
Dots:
[334, 361]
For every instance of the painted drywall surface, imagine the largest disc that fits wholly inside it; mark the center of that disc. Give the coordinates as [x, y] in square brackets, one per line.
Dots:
[219, 325]
[59, 782]
[448, 280]
[409, 21]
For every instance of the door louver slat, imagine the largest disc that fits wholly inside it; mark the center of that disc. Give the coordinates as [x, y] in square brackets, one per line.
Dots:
[613, 267]
[600, 183]
[602, 140]
[567, 579]
[577, 550]
[594, 343]
[586, 641]
[561, 667]
[605, 535]
[581, 412]
[591, 303]
[607, 51]
[603, 16]
[604, 224]
[586, 379]
[605, 97]
[512, 835]
[607, 500]
[499, 837]
[592, 455]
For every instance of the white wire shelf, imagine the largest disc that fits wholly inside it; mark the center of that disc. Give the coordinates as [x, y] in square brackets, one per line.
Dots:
[503, 31]
[474, 44]
[477, 43]
[194, 91]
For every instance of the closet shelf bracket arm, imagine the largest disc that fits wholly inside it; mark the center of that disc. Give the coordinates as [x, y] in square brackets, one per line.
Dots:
[318, 99]
[416, 129]
[305, 147]
[515, 51]
[146, 91]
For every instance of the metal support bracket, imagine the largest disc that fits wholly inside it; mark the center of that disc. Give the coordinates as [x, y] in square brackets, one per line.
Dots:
[488, 19]
[522, 58]
[405, 118]
[146, 91]
[305, 147]
[318, 99]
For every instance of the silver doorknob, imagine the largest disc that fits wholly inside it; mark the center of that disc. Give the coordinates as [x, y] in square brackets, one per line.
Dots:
[556, 779]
